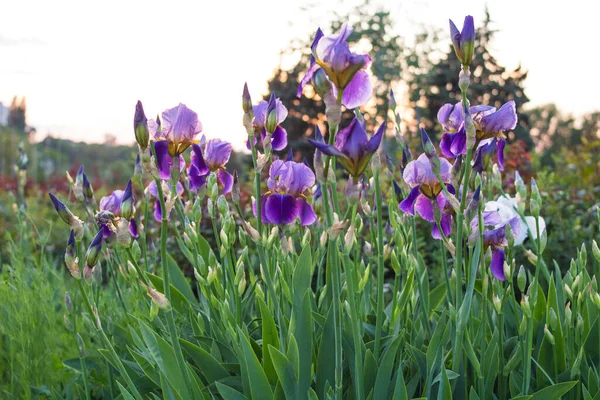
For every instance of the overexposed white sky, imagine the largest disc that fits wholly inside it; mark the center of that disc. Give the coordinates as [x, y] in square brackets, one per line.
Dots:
[83, 65]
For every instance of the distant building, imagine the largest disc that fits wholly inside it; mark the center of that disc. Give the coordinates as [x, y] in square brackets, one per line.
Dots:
[4, 111]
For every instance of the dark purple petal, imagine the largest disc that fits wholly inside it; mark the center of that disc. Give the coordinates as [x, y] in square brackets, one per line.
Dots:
[407, 205]
[327, 149]
[180, 124]
[374, 143]
[500, 142]
[359, 91]
[459, 143]
[197, 161]
[163, 159]
[497, 264]
[133, 228]
[446, 145]
[196, 179]
[305, 212]
[157, 211]
[263, 214]
[105, 231]
[281, 209]
[446, 224]
[217, 153]
[424, 207]
[351, 140]
[279, 139]
[225, 179]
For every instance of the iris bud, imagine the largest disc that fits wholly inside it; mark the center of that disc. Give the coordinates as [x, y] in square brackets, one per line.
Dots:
[521, 279]
[93, 252]
[321, 83]
[127, 202]
[272, 121]
[140, 126]
[548, 335]
[88, 192]
[246, 100]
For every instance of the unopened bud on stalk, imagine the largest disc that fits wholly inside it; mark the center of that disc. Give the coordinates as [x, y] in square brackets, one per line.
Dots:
[349, 238]
[212, 275]
[595, 250]
[580, 325]
[473, 204]
[535, 204]
[235, 190]
[464, 41]
[525, 307]
[510, 237]
[321, 84]
[78, 187]
[272, 120]
[140, 126]
[568, 291]
[576, 283]
[157, 297]
[97, 274]
[395, 262]
[67, 216]
[549, 335]
[246, 100]
[272, 236]
[464, 80]
[127, 202]
[223, 206]
[365, 278]
[71, 260]
[306, 238]
[323, 239]
[521, 279]
[87, 273]
[88, 192]
[93, 252]
[392, 101]
[568, 313]
[497, 303]
[123, 232]
[596, 298]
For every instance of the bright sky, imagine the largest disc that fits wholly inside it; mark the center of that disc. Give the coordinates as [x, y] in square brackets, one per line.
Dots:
[83, 67]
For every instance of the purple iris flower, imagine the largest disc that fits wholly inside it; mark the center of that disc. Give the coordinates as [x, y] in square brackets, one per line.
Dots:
[153, 190]
[489, 124]
[285, 201]
[494, 237]
[353, 148]
[178, 131]
[425, 190]
[344, 69]
[133, 228]
[463, 41]
[279, 135]
[112, 202]
[213, 159]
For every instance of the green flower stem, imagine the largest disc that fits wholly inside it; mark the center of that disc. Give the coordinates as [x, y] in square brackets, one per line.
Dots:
[380, 267]
[333, 266]
[108, 344]
[81, 360]
[356, 320]
[164, 227]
